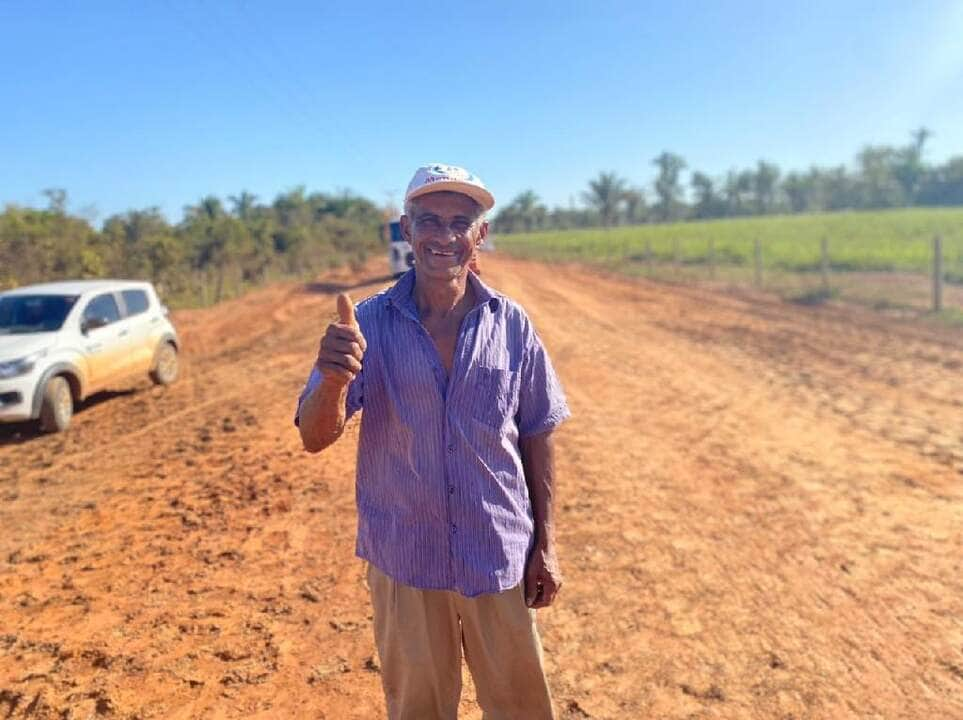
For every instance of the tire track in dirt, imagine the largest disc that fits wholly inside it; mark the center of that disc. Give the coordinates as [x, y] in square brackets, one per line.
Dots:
[818, 359]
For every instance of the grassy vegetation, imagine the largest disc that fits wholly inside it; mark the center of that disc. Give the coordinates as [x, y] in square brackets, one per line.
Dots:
[861, 246]
[863, 241]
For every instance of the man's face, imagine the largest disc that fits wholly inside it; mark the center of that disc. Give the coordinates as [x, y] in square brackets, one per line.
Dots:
[444, 229]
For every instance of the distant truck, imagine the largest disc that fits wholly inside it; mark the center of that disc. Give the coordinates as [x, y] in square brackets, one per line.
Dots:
[400, 255]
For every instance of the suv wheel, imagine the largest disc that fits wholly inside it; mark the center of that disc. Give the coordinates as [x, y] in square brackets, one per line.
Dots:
[57, 406]
[165, 369]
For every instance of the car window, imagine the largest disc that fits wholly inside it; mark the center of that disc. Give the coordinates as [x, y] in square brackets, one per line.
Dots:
[23, 314]
[103, 306]
[136, 301]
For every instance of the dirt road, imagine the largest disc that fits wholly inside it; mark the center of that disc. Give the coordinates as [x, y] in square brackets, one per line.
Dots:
[760, 513]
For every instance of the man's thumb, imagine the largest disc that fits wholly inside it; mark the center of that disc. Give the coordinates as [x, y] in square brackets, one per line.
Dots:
[346, 310]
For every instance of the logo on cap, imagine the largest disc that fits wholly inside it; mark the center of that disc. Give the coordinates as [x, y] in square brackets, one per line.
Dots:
[460, 179]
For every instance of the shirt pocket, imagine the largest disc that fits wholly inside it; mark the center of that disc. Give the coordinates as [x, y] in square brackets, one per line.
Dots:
[491, 395]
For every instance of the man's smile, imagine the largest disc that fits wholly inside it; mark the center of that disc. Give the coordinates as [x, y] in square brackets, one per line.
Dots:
[443, 258]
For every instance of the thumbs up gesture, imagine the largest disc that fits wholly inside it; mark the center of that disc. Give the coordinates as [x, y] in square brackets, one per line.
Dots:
[343, 345]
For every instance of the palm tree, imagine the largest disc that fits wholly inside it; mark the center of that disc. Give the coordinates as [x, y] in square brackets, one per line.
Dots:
[57, 200]
[634, 199]
[526, 207]
[705, 194]
[920, 136]
[209, 208]
[667, 185]
[243, 204]
[797, 191]
[604, 194]
[909, 168]
[764, 186]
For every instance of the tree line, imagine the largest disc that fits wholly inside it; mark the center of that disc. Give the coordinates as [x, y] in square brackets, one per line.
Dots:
[215, 250]
[883, 176]
[218, 248]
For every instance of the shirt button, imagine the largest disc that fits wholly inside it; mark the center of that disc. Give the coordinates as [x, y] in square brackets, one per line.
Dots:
[454, 528]
[451, 448]
[451, 489]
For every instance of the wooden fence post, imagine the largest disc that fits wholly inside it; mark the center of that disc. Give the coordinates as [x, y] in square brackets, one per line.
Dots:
[712, 258]
[648, 254]
[676, 253]
[758, 254]
[937, 273]
[824, 262]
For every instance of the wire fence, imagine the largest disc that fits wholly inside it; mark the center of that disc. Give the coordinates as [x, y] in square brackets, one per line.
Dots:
[920, 273]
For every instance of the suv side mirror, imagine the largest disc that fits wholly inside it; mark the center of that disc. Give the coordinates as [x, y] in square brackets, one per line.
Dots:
[92, 323]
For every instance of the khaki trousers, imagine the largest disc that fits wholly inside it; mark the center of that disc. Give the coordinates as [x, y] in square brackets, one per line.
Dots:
[420, 635]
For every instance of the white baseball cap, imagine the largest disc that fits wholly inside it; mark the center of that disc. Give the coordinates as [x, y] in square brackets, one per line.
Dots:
[438, 177]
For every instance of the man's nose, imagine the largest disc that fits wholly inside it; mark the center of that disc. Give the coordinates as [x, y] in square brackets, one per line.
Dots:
[446, 233]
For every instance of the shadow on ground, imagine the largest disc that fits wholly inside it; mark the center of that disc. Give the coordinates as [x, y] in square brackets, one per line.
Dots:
[21, 432]
[327, 288]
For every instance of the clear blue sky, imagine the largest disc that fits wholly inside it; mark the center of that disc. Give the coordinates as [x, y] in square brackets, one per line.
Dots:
[130, 104]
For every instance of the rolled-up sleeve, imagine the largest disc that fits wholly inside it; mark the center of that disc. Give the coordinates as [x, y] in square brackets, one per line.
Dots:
[541, 401]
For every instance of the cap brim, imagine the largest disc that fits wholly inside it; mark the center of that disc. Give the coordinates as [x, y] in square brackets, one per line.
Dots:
[478, 194]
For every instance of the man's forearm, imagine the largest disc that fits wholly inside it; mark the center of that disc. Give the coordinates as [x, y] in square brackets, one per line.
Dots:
[322, 415]
[538, 460]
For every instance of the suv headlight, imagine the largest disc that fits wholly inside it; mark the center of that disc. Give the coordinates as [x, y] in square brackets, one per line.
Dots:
[20, 366]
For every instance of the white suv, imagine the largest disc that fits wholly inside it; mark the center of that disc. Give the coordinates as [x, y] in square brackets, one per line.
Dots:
[60, 342]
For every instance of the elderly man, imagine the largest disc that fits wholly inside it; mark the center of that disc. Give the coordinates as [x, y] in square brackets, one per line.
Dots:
[455, 464]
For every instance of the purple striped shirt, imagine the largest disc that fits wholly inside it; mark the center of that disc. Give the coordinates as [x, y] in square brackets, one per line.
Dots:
[441, 493]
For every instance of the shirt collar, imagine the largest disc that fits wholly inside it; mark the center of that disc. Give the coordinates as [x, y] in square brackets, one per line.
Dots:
[483, 293]
[400, 294]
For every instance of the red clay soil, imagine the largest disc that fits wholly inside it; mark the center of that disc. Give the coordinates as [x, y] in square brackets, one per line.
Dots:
[760, 514]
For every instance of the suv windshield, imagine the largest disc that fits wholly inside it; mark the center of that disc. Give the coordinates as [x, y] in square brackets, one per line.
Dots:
[22, 314]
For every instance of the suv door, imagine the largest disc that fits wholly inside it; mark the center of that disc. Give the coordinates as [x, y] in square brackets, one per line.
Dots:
[141, 320]
[105, 340]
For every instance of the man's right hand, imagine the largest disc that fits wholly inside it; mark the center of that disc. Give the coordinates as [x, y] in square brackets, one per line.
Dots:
[342, 347]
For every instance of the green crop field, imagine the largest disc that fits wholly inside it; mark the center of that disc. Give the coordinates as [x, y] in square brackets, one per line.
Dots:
[870, 241]
[884, 258]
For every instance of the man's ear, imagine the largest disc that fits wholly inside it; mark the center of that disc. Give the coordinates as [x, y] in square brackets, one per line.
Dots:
[405, 228]
[482, 234]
